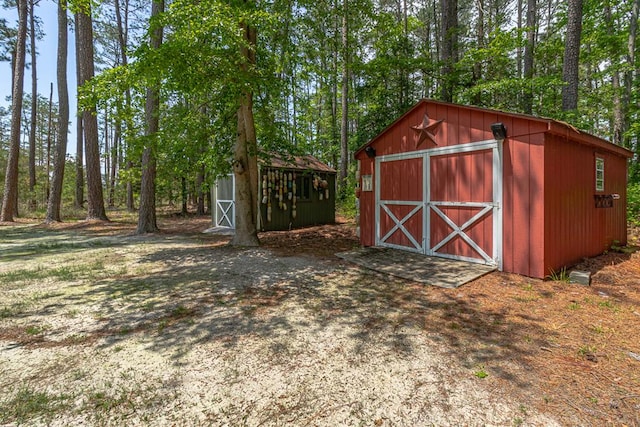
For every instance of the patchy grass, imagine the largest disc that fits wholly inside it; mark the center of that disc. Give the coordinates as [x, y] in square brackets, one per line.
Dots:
[208, 325]
[28, 403]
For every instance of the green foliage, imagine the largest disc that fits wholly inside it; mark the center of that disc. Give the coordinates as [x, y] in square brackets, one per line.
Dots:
[481, 373]
[559, 276]
[346, 201]
[29, 403]
[392, 59]
[633, 204]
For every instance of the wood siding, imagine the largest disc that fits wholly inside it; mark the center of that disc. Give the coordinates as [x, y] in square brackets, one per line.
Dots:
[367, 204]
[465, 177]
[574, 227]
[549, 217]
[523, 203]
[311, 211]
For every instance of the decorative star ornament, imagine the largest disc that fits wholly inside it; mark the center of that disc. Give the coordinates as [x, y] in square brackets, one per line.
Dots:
[427, 130]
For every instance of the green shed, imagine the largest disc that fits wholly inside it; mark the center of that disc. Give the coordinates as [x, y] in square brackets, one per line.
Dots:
[293, 193]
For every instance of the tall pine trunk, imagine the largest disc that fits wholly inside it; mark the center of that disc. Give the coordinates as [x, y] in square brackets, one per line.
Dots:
[245, 163]
[34, 108]
[48, 155]
[95, 198]
[55, 198]
[344, 127]
[527, 98]
[79, 193]
[147, 212]
[571, 62]
[449, 10]
[10, 196]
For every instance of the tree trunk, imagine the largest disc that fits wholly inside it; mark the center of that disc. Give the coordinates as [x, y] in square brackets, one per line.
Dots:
[147, 212]
[34, 109]
[79, 196]
[122, 41]
[344, 127]
[185, 196]
[571, 63]
[200, 189]
[130, 202]
[10, 196]
[628, 75]
[618, 119]
[107, 153]
[449, 47]
[527, 98]
[245, 163]
[477, 66]
[95, 198]
[55, 198]
[48, 162]
[114, 163]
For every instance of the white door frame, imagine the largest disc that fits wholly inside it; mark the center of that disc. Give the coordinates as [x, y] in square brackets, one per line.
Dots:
[427, 205]
[226, 207]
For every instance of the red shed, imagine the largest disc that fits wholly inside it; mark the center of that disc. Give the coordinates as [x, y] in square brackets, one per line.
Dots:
[526, 194]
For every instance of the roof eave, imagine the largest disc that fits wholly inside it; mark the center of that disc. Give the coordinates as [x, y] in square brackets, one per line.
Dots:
[568, 131]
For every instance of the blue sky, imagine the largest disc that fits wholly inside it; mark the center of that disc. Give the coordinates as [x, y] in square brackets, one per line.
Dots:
[46, 63]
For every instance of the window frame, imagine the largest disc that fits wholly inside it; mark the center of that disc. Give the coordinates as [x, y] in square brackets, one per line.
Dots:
[303, 187]
[599, 174]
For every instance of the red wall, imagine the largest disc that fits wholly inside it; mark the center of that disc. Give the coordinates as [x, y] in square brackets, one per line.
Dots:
[549, 214]
[367, 204]
[523, 198]
[574, 227]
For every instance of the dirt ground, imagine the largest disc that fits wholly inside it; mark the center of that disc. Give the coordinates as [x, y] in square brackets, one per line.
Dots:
[101, 327]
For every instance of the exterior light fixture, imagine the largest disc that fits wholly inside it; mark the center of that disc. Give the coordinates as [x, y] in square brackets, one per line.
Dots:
[371, 152]
[499, 131]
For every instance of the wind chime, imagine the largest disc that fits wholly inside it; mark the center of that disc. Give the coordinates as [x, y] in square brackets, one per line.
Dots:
[281, 186]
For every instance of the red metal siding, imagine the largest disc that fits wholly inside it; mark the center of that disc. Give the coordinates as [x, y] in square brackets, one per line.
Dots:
[574, 227]
[523, 198]
[401, 180]
[401, 138]
[367, 205]
[549, 214]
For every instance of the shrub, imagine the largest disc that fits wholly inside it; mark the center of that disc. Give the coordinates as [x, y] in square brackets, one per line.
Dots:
[633, 204]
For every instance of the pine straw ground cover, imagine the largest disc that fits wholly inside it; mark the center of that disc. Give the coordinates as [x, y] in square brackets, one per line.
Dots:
[104, 328]
[576, 348]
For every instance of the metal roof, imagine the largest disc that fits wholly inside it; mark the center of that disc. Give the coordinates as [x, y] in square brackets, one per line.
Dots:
[307, 162]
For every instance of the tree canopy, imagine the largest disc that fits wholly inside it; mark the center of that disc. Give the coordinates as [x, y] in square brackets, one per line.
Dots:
[312, 58]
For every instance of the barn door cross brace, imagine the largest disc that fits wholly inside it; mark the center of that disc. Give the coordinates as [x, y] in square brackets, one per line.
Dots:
[225, 212]
[459, 231]
[399, 224]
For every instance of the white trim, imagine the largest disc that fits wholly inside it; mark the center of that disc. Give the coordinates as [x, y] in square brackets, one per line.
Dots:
[426, 196]
[400, 224]
[463, 204]
[498, 202]
[599, 160]
[441, 151]
[459, 231]
[493, 207]
[227, 207]
[402, 202]
[377, 201]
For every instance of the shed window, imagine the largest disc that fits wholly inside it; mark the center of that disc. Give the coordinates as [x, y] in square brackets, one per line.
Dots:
[367, 183]
[599, 174]
[303, 187]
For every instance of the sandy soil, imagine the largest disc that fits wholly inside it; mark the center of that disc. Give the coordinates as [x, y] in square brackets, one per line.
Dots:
[101, 327]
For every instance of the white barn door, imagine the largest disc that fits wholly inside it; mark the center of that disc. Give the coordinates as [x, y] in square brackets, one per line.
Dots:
[443, 201]
[225, 207]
